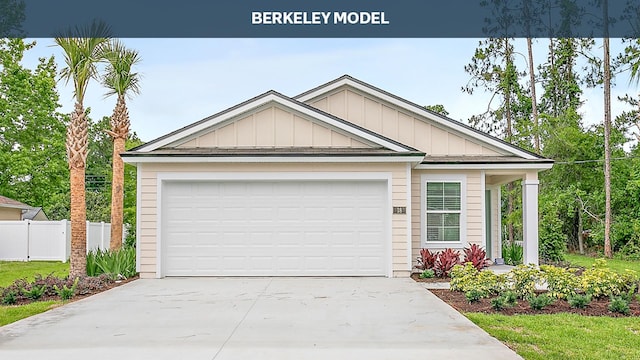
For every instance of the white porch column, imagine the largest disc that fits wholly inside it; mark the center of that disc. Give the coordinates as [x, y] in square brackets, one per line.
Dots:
[530, 219]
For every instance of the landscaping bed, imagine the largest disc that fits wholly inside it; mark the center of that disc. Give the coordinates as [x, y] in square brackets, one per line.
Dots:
[52, 288]
[597, 307]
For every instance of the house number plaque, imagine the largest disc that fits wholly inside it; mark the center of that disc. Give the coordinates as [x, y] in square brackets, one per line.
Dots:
[399, 209]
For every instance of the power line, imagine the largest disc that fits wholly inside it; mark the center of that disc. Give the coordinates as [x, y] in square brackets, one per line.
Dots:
[593, 161]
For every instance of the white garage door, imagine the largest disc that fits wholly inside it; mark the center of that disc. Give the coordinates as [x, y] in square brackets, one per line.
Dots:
[271, 228]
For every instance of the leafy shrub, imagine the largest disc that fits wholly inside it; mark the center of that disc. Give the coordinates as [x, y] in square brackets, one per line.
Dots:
[540, 302]
[630, 251]
[523, 279]
[476, 256]
[463, 277]
[9, 298]
[474, 295]
[34, 292]
[506, 300]
[512, 253]
[510, 298]
[579, 301]
[560, 282]
[87, 285]
[66, 292]
[117, 264]
[552, 240]
[446, 261]
[427, 274]
[628, 296]
[427, 259]
[619, 305]
[466, 278]
[498, 303]
[48, 283]
[601, 281]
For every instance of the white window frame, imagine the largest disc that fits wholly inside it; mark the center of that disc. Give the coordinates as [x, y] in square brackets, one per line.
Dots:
[455, 178]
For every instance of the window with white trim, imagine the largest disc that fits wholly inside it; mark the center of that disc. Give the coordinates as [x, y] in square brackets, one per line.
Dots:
[443, 204]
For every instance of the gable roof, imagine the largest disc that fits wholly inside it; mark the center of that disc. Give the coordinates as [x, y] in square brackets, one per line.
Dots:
[10, 203]
[260, 100]
[32, 213]
[407, 105]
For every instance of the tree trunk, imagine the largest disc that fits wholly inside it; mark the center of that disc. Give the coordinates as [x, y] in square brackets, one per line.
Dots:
[534, 103]
[117, 194]
[509, 134]
[77, 139]
[119, 132]
[580, 233]
[607, 134]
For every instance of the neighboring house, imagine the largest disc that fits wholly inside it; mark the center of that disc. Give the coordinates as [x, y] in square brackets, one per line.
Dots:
[36, 214]
[12, 209]
[342, 180]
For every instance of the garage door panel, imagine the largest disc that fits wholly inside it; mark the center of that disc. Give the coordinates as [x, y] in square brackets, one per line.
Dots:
[267, 228]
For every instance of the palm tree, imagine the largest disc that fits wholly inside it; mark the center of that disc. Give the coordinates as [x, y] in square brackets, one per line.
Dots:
[120, 81]
[82, 49]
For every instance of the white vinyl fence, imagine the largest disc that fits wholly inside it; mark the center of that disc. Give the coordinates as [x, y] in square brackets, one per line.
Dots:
[47, 240]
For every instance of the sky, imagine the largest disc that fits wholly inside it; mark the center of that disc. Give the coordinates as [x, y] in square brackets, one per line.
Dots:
[185, 80]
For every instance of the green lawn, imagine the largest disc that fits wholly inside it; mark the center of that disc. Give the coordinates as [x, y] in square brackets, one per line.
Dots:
[614, 264]
[12, 270]
[564, 336]
[9, 314]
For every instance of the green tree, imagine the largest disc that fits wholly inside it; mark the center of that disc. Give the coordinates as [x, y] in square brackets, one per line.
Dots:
[32, 132]
[438, 109]
[493, 70]
[122, 81]
[82, 49]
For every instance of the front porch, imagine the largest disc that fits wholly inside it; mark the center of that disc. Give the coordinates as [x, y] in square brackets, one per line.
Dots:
[494, 179]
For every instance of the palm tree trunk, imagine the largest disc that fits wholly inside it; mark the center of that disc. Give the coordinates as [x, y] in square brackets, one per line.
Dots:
[117, 194]
[77, 138]
[119, 132]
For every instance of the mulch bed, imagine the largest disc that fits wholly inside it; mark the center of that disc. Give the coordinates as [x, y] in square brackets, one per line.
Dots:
[597, 307]
[86, 291]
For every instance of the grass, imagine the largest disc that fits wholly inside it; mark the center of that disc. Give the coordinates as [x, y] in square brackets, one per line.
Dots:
[12, 270]
[614, 264]
[9, 314]
[564, 336]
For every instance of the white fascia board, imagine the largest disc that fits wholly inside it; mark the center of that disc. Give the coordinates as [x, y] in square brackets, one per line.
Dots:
[273, 159]
[279, 100]
[424, 113]
[516, 166]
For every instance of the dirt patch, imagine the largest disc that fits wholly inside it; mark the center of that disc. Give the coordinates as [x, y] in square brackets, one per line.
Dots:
[597, 307]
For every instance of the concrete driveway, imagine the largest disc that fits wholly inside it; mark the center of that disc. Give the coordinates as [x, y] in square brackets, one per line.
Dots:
[253, 318]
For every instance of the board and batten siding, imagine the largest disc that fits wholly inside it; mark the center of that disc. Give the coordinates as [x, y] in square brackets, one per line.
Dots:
[475, 208]
[147, 236]
[272, 126]
[398, 124]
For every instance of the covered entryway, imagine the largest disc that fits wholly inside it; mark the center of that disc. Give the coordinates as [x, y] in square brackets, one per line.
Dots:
[275, 228]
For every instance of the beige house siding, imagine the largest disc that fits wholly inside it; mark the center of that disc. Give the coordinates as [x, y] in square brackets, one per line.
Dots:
[10, 214]
[475, 208]
[398, 124]
[148, 202]
[272, 126]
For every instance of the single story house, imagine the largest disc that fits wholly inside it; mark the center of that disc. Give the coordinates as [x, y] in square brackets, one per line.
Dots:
[36, 214]
[345, 179]
[12, 209]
